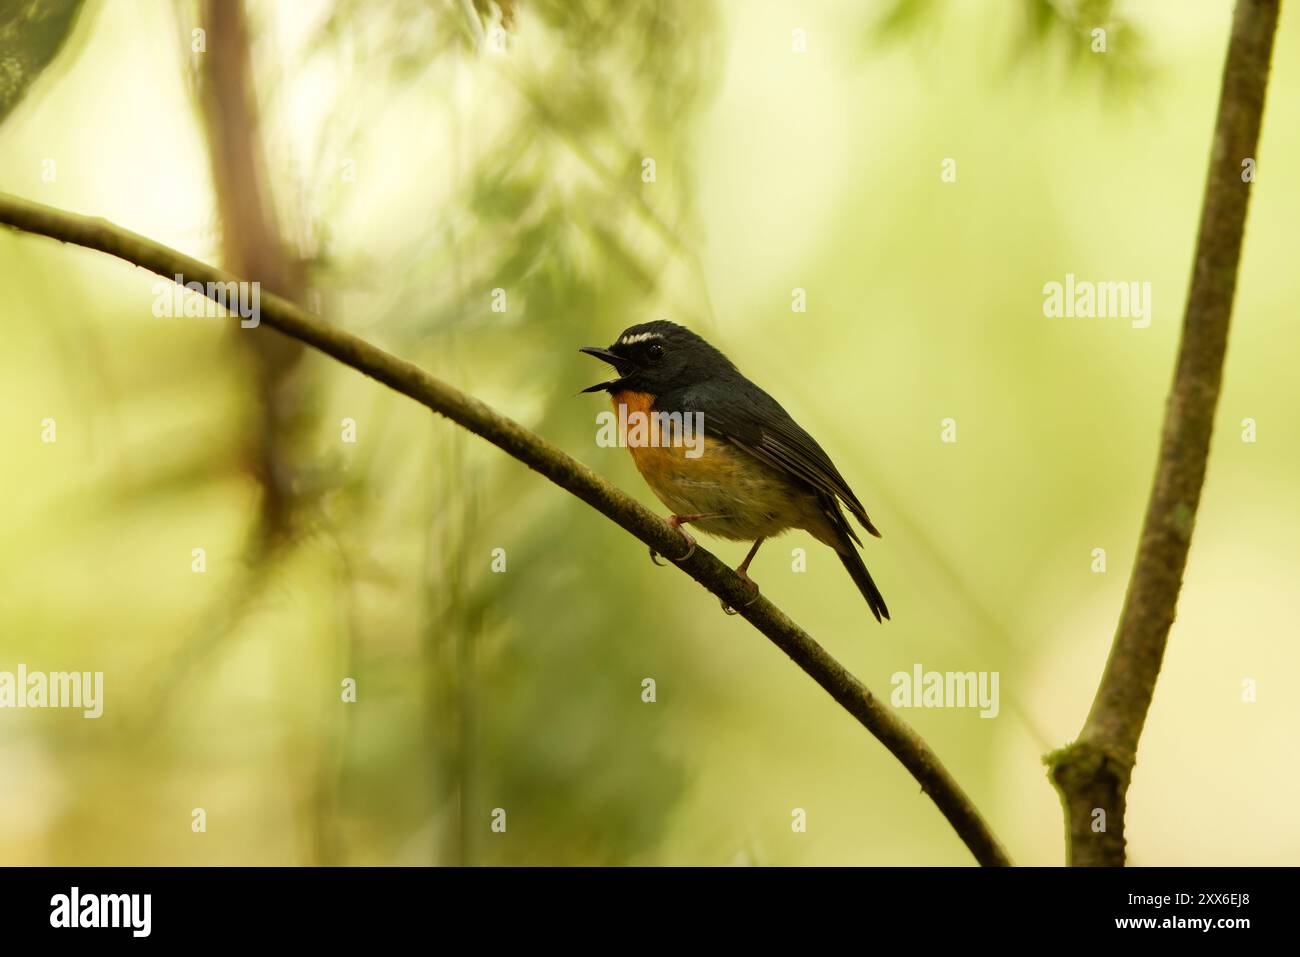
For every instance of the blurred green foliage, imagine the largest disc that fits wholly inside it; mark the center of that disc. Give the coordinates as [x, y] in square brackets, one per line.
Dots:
[31, 34]
[419, 169]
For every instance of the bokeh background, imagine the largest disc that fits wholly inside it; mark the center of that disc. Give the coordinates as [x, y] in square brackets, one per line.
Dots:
[390, 165]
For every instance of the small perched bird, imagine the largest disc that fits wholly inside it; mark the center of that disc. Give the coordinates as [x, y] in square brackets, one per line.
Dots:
[757, 473]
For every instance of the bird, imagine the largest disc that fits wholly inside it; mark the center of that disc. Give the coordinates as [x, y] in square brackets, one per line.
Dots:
[756, 472]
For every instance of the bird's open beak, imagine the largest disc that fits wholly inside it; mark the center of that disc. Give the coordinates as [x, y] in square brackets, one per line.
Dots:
[604, 355]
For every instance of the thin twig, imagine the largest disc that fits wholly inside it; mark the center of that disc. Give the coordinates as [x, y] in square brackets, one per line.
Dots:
[1094, 772]
[575, 478]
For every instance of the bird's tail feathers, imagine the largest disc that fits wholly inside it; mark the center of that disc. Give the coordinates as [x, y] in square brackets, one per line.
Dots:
[862, 578]
[838, 534]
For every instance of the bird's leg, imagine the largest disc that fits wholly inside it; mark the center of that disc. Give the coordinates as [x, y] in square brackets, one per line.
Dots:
[677, 521]
[743, 572]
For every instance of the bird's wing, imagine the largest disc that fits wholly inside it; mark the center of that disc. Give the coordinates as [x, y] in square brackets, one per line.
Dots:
[760, 426]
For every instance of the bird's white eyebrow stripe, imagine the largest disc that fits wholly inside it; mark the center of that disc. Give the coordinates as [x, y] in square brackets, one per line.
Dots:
[640, 337]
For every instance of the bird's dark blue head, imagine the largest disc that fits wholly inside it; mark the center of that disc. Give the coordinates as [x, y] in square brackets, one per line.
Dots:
[659, 357]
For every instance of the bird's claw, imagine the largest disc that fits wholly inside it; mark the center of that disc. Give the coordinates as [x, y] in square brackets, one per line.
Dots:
[690, 550]
[686, 537]
[753, 584]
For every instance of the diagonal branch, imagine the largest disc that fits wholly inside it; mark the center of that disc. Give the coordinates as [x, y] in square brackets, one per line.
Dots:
[575, 478]
[1093, 773]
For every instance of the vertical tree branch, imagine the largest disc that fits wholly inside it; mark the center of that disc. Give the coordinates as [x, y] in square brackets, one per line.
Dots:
[252, 245]
[1094, 772]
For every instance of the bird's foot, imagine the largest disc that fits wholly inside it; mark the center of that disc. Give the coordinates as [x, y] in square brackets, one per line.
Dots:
[677, 521]
[754, 588]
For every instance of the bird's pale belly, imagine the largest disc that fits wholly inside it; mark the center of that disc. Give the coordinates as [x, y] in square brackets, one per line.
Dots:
[750, 499]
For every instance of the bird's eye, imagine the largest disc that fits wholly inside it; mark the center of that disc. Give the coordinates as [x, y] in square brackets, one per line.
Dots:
[655, 352]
